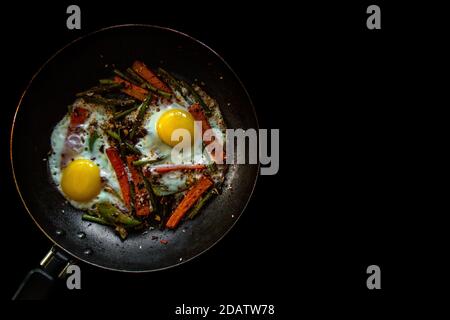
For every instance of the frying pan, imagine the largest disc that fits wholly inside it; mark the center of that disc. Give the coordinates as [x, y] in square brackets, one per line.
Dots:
[78, 66]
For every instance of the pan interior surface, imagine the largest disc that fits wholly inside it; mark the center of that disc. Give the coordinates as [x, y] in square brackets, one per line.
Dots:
[79, 66]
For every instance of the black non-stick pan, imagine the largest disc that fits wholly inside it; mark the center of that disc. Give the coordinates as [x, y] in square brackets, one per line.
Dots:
[79, 65]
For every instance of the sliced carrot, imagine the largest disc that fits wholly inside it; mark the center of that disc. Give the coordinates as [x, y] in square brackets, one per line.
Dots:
[122, 177]
[175, 167]
[199, 115]
[142, 199]
[78, 116]
[131, 89]
[141, 69]
[190, 198]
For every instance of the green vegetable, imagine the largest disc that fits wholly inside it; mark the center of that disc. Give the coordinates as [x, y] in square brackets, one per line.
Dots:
[100, 89]
[98, 99]
[106, 81]
[157, 91]
[200, 203]
[169, 79]
[132, 148]
[112, 215]
[135, 76]
[125, 77]
[132, 195]
[88, 217]
[142, 109]
[125, 112]
[197, 98]
[152, 196]
[114, 135]
[165, 212]
[136, 79]
[143, 83]
[111, 190]
[122, 144]
[142, 162]
[212, 167]
[92, 138]
[164, 94]
[121, 229]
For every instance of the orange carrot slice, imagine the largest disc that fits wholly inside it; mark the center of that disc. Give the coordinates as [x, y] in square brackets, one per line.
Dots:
[191, 197]
[141, 69]
[141, 197]
[131, 89]
[122, 177]
[176, 167]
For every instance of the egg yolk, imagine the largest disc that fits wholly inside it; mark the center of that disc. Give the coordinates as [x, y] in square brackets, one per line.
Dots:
[171, 120]
[81, 180]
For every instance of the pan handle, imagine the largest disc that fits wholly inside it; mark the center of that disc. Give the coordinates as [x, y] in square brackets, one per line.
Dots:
[39, 282]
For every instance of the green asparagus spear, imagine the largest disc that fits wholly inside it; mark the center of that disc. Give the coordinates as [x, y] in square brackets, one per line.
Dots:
[151, 194]
[166, 204]
[92, 138]
[136, 79]
[99, 89]
[132, 148]
[125, 144]
[142, 162]
[112, 215]
[125, 112]
[169, 79]
[142, 109]
[132, 195]
[125, 77]
[135, 76]
[112, 191]
[98, 99]
[88, 217]
[197, 98]
[114, 135]
[106, 81]
[157, 91]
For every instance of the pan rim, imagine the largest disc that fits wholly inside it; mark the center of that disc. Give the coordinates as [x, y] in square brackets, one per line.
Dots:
[55, 243]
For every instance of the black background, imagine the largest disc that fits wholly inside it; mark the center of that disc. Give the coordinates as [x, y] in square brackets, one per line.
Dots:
[337, 91]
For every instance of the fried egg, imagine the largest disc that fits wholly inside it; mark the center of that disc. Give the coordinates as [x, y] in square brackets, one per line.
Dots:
[80, 168]
[160, 123]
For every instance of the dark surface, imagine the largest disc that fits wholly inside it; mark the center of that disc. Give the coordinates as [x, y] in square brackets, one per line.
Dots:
[306, 244]
[352, 104]
[83, 62]
[37, 285]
